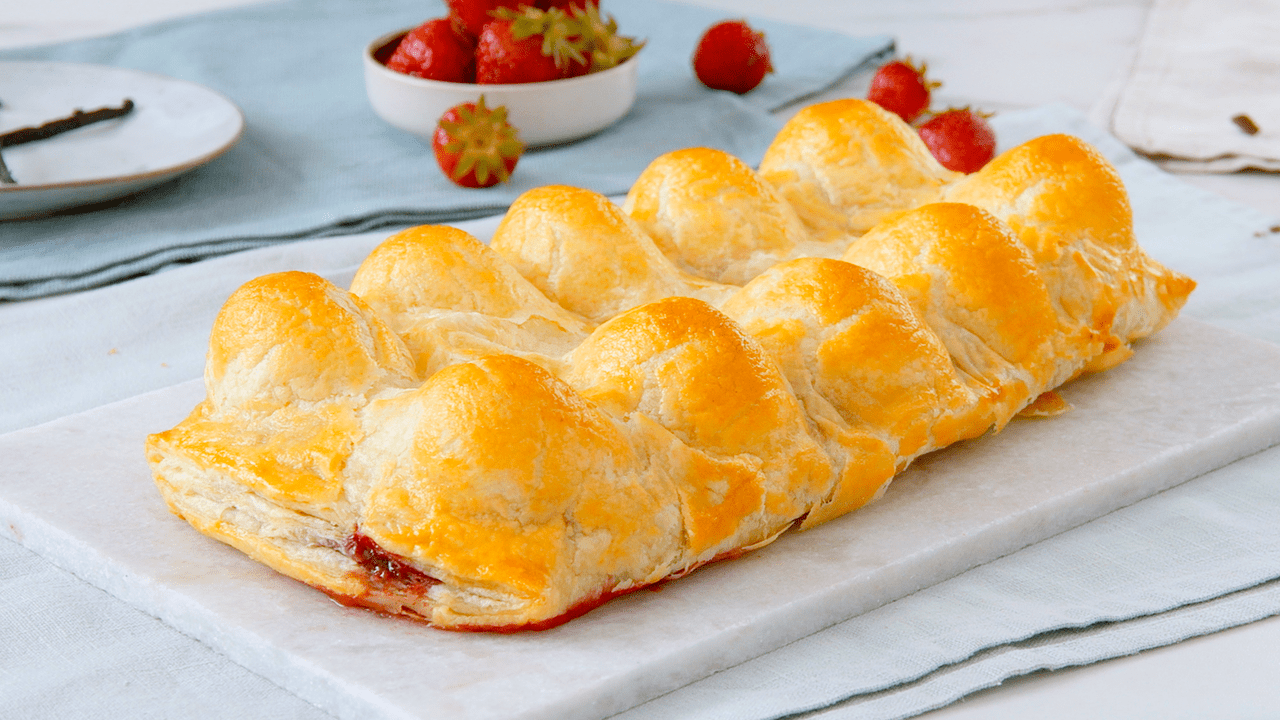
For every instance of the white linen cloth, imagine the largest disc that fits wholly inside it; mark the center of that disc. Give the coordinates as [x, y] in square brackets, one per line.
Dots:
[1198, 558]
[1200, 64]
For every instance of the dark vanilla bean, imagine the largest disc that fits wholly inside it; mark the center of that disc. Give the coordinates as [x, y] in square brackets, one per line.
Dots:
[1246, 124]
[74, 121]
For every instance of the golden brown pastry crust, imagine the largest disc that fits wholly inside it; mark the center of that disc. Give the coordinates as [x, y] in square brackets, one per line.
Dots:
[846, 165]
[713, 215]
[1068, 206]
[499, 437]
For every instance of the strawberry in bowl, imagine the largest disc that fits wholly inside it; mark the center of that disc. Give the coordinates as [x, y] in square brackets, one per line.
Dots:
[436, 50]
[536, 60]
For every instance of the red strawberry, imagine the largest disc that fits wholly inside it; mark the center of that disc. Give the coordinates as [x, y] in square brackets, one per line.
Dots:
[960, 139]
[502, 58]
[731, 56]
[436, 50]
[900, 87]
[529, 45]
[471, 15]
[475, 145]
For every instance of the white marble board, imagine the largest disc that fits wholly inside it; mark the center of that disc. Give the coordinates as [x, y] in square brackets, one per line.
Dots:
[78, 492]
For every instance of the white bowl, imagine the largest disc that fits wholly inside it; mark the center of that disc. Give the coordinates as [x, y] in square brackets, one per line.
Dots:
[545, 113]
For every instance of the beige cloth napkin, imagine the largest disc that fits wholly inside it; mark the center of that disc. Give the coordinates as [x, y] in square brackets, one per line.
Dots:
[1202, 63]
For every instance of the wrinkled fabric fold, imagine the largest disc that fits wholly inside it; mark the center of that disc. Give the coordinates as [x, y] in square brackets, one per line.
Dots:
[1199, 67]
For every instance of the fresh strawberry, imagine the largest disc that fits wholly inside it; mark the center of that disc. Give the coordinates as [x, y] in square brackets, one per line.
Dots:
[475, 145]
[902, 88]
[528, 45]
[960, 139]
[502, 58]
[436, 50]
[471, 15]
[731, 56]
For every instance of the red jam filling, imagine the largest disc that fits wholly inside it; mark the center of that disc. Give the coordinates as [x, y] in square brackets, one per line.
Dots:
[382, 564]
[391, 569]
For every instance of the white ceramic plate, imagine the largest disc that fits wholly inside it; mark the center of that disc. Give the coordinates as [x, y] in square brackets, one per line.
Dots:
[175, 126]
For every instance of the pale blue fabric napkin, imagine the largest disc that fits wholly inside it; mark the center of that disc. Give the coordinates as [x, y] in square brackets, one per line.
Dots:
[315, 161]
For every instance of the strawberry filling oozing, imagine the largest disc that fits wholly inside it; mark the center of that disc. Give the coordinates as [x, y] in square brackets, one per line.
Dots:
[392, 582]
[383, 565]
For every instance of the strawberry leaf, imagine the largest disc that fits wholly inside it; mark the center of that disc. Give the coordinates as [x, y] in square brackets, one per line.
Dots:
[607, 48]
[482, 142]
[561, 35]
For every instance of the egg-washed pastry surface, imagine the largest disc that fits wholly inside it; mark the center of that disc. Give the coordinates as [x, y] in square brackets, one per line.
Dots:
[502, 436]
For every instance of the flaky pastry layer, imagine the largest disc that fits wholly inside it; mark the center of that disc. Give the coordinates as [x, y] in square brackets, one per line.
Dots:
[500, 437]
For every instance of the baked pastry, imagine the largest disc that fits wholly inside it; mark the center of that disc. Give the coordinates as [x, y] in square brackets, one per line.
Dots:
[499, 437]
[846, 165]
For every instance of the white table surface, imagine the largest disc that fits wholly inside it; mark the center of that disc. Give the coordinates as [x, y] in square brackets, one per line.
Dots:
[992, 54]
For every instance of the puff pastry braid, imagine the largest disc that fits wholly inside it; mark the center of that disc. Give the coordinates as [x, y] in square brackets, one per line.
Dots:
[502, 436]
